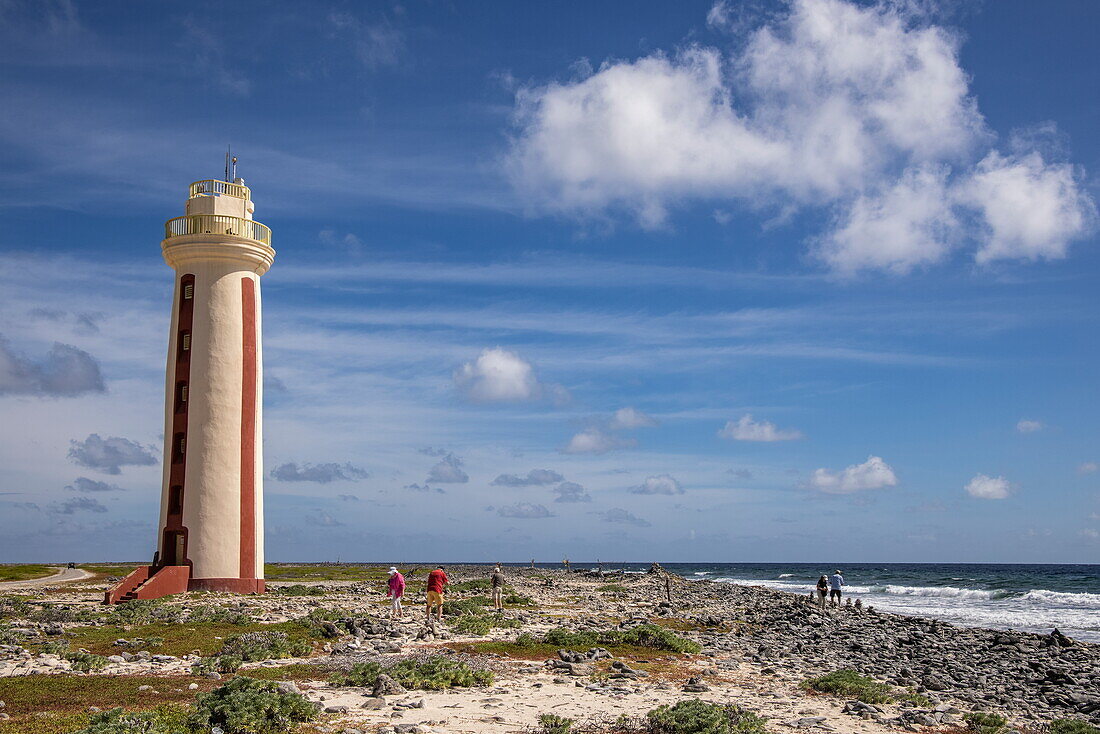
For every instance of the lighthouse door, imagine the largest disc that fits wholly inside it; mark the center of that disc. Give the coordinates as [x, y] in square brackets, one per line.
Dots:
[174, 548]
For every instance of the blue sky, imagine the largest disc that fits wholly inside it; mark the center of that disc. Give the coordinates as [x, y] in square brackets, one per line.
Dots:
[676, 281]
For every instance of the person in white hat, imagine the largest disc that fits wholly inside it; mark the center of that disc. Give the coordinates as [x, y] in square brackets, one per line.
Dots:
[396, 590]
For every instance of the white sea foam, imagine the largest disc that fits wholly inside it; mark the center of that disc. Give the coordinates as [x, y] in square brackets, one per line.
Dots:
[1063, 598]
[948, 591]
[786, 575]
[1037, 610]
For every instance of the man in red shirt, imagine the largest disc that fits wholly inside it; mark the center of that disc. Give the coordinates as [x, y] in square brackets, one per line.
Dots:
[437, 579]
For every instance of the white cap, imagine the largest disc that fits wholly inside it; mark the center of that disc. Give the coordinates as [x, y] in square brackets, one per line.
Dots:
[393, 570]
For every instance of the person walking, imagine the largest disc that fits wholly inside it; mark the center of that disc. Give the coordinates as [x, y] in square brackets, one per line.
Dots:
[437, 579]
[396, 590]
[497, 581]
[836, 583]
[822, 590]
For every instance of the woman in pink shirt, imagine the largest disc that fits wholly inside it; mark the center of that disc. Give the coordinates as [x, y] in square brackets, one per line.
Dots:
[396, 591]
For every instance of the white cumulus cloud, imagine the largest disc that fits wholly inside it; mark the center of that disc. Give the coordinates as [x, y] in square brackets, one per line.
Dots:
[499, 376]
[1088, 467]
[1028, 426]
[747, 429]
[861, 109]
[594, 441]
[628, 418]
[448, 471]
[871, 474]
[988, 488]
[658, 484]
[1030, 209]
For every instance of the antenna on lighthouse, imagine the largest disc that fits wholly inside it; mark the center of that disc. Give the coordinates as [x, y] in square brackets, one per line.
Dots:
[227, 151]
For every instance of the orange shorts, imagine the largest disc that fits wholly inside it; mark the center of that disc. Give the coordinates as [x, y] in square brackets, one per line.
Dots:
[435, 599]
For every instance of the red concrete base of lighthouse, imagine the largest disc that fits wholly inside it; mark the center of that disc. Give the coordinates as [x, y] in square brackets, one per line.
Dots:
[148, 582]
[234, 586]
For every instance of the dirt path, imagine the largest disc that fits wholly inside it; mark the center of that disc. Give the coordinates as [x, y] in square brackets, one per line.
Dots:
[63, 576]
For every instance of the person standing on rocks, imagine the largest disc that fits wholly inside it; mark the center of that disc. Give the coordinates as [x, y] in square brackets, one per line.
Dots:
[396, 590]
[437, 579]
[822, 591]
[497, 580]
[836, 583]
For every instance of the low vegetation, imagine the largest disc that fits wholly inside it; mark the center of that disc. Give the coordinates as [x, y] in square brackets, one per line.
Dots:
[699, 717]
[299, 590]
[85, 662]
[252, 647]
[554, 724]
[250, 705]
[433, 674]
[984, 722]
[644, 635]
[25, 571]
[480, 624]
[850, 684]
[57, 704]
[1072, 726]
[202, 638]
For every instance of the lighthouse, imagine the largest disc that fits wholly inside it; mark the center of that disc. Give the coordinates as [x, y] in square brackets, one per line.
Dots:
[210, 529]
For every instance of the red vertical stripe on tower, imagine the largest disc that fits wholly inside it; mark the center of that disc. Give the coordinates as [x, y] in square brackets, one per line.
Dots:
[248, 430]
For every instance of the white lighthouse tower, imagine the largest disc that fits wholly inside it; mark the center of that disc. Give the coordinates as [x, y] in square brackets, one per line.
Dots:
[211, 510]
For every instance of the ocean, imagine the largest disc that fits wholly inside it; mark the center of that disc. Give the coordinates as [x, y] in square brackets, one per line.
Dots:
[1026, 597]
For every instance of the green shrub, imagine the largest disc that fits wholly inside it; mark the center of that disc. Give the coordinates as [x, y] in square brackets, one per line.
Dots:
[299, 590]
[85, 662]
[985, 723]
[253, 646]
[162, 720]
[433, 674]
[7, 637]
[658, 638]
[54, 647]
[480, 624]
[217, 664]
[851, 684]
[249, 706]
[554, 724]
[470, 605]
[517, 600]
[218, 615]
[917, 699]
[699, 717]
[52, 614]
[14, 607]
[471, 625]
[644, 635]
[1072, 726]
[144, 611]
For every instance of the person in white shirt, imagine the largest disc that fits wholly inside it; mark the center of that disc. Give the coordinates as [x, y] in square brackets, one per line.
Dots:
[836, 583]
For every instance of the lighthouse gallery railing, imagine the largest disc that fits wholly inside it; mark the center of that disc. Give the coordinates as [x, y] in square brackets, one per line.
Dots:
[213, 186]
[217, 224]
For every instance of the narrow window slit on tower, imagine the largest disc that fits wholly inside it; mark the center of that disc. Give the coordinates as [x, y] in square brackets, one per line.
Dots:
[188, 291]
[179, 442]
[175, 500]
[185, 341]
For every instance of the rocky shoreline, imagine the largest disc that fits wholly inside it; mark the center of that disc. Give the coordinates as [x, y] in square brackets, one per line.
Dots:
[757, 647]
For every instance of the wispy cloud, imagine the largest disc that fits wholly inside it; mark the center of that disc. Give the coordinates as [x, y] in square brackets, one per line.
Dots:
[319, 473]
